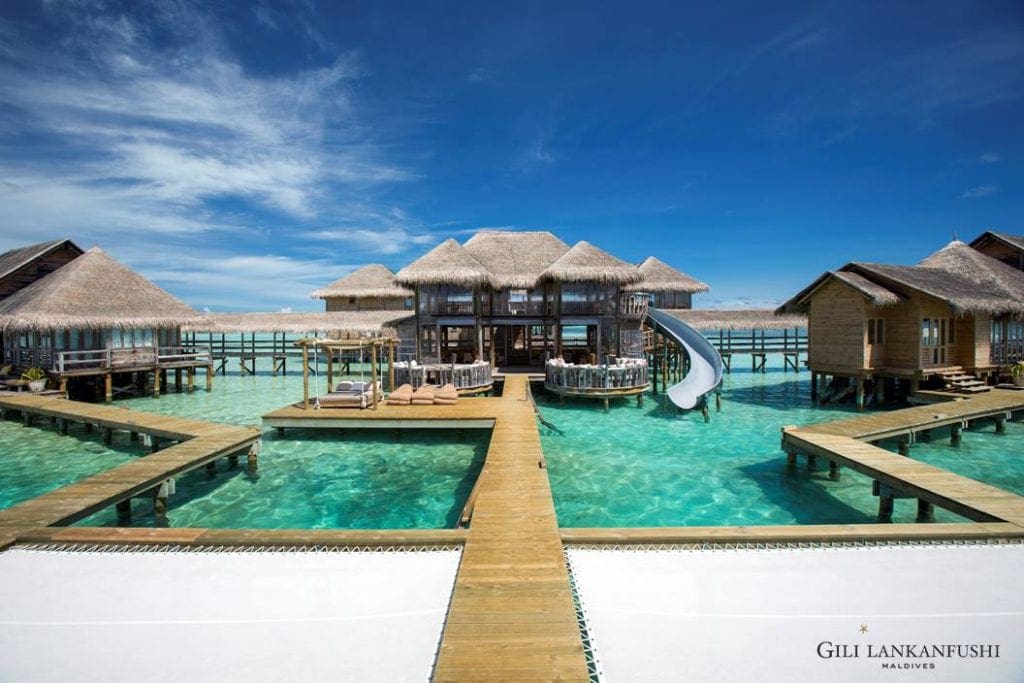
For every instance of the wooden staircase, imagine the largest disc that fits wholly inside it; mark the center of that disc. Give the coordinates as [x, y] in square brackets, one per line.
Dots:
[960, 382]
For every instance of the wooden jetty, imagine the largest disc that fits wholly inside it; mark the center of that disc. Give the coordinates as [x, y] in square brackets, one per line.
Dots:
[198, 444]
[512, 613]
[847, 443]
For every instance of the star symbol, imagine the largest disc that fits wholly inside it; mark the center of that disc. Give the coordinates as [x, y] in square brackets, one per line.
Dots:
[863, 629]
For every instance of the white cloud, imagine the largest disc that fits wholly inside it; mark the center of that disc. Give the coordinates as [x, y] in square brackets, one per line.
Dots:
[979, 191]
[989, 158]
[387, 242]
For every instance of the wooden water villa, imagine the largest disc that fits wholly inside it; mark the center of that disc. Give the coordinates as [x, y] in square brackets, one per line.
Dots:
[954, 320]
[93, 319]
[370, 288]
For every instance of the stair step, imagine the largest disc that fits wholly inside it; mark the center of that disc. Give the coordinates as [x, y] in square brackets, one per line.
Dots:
[967, 383]
[974, 390]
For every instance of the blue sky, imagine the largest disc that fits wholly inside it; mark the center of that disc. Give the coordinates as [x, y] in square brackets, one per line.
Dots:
[241, 155]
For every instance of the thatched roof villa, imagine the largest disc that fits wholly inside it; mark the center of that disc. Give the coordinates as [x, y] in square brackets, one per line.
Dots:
[958, 312]
[669, 288]
[370, 288]
[508, 296]
[95, 316]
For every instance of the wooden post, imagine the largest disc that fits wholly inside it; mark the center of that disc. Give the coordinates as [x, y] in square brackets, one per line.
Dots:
[62, 426]
[1000, 424]
[860, 393]
[64, 385]
[233, 461]
[833, 470]
[791, 460]
[26, 418]
[373, 372]
[904, 445]
[885, 504]
[305, 376]
[718, 401]
[156, 383]
[108, 387]
[160, 507]
[124, 512]
[391, 360]
[812, 462]
[177, 380]
[108, 436]
[814, 385]
[954, 435]
[190, 380]
[209, 377]
[606, 404]
[925, 511]
[330, 369]
[154, 442]
[253, 458]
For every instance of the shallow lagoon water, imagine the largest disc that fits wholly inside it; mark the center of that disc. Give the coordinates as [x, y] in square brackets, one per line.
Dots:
[630, 467]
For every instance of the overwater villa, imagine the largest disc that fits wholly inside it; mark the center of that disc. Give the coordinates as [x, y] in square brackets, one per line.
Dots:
[370, 288]
[955, 318]
[1006, 248]
[22, 266]
[95, 319]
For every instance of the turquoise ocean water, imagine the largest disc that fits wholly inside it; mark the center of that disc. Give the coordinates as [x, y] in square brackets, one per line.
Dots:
[630, 467]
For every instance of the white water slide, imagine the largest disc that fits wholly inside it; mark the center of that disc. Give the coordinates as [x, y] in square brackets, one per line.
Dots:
[705, 362]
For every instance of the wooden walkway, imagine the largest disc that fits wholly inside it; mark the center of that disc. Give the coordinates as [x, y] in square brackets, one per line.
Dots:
[201, 443]
[846, 443]
[512, 615]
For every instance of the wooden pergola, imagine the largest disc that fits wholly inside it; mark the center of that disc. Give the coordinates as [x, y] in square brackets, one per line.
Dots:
[377, 346]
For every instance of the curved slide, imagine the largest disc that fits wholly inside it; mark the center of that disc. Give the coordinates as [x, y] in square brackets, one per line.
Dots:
[705, 362]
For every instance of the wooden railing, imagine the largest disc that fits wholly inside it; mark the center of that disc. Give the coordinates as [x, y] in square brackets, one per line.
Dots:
[631, 376]
[462, 376]
[584, 307]
[633, 306]
[112, 359]
[1007, 352]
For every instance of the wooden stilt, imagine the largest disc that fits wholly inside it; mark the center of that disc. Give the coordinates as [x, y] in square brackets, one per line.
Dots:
[64, 385]
[1000, 421]
[253, 459]
[26, 418]
[704, 413]
[330, 370]
[814, 385]
[373, 374]
[177, 380]
[233, 461]
[62, 426]
[885, 506]
[209, 377]
[606, 404]
[391, 357]
[154, 443]
[925, 511]
[812, 463]
[904, 445]
[160, 509]
[156, 383]
[124, 512]
[718, 401]
[88, 426]
[108, 387]
[955, 435]
[108, 436]
[190, 380]
[833, 470]
[860, 393]
[791, 460]
[211, 468]
[305, 377]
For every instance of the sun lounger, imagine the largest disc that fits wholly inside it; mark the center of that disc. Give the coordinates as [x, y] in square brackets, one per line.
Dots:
[401, 396]
[424, 396]
[446, 395]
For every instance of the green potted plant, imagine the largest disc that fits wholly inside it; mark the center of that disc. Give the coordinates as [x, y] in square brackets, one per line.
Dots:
[36, 379]
[1018, 373]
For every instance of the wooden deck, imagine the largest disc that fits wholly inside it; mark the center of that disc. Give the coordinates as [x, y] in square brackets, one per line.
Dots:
[512, 614]
[467, 413]
[846, 442]
[200, 443]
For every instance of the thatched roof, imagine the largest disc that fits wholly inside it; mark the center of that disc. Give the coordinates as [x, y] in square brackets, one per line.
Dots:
[872, 291]
[14, 259]
[963, 295]
[586, 263]
[446, 264]
[373, 280]
[749, 319]
[345, 322]
[661, 277]
[515, 260]
[970, 264]
[93, 290]
[1012, 241]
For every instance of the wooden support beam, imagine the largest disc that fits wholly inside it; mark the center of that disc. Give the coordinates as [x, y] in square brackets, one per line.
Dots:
[373, 372]
[62, 426]
[885, 507]
[177, 380]
[1000, 421]
[814, 385]
[108, 387]
[108, 436]
[955, 435]
[190, 380]
[330, 370]
[305, 377]
[833, 470]
[211, 468]
[156, 383]
[209, 377]
[124, 512]
[904, 445]
[860, 393]
[925, 511]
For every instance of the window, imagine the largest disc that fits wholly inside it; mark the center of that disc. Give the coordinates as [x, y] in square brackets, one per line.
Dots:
[351, 299]
[876, 331]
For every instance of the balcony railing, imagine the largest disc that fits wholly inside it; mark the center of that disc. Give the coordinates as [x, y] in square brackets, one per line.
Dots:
[633, 306]
[501, 308]
[115, 359]
[453, 308]
[584, 307]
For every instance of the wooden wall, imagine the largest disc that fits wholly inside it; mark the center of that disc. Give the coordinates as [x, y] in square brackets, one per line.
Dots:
[998, 250]
[37, 268]
[974, 341]
[835, 328]
[369, 303]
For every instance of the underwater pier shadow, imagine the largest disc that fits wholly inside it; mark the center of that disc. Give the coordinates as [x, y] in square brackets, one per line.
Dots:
[802, 495]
